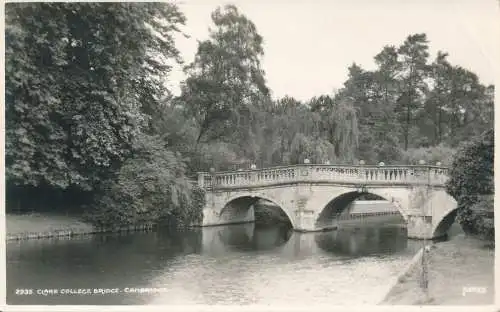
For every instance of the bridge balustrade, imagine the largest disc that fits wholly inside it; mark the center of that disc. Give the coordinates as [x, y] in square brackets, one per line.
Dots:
[423, 175]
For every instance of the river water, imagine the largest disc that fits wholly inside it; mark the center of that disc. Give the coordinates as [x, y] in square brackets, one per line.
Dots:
[237, 264]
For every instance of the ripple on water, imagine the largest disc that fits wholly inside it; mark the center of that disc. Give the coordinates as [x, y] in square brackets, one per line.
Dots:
[270, 280]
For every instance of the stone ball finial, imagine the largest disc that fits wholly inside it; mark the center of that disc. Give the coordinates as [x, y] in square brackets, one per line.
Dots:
[327, 162]
[421, 162]
[361, 162]
[253, 166]
[438, 163]
[306, 161]
[212, 170]
[381, 164]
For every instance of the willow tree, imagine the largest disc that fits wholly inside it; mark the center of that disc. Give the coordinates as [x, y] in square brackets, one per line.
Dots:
[340, 124]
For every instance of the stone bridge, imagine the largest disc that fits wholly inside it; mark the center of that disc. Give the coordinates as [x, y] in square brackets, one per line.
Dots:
[313, 195]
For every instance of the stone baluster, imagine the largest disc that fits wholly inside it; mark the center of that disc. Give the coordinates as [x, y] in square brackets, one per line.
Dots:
[357, 174]
[313, 173]
[318, 173]
[201, 180]
[392, 174]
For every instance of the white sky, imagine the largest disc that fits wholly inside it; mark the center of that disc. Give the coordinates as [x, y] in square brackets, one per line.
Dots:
[310, 44]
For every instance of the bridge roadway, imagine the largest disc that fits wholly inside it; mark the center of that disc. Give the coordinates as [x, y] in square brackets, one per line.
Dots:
[313, 195]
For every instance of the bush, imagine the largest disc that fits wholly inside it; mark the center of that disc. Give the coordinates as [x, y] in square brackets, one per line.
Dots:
[471, 183]
[151, 187]
[482, 211]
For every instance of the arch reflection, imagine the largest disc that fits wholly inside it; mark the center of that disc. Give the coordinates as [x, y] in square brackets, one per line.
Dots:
[249, 237]
[363, 241]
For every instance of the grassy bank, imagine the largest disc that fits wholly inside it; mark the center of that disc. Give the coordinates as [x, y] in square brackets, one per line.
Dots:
[37, 225]
[453, 268]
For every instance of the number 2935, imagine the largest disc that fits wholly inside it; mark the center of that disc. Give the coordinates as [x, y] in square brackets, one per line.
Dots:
[23, 291]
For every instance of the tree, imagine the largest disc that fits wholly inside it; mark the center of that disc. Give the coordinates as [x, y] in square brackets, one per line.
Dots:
[371, 95]
[225, 82]
[458, 105]
[436, 102]
[78, 76]
[386, 93]
[413, 54]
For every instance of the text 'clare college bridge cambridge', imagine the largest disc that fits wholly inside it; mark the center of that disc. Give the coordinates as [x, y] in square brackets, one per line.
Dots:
[313, 195]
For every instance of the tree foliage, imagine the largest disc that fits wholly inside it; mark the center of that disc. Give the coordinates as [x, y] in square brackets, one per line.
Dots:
[225, 82]
[471, 183]
[74, 99]
[150, 187]
[86, 103]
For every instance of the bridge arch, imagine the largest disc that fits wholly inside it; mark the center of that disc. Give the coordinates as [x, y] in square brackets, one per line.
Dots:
[447, 213]
[336, 205]
[441, 227]
[239, 204]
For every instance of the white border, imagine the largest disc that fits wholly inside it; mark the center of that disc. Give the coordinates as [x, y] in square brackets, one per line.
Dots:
[5, 307]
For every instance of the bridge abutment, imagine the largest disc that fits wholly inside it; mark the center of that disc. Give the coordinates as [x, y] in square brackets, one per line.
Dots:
[305, 221]
[420, 227]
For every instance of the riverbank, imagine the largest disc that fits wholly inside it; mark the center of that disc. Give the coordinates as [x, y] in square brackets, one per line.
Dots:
[36, 225]
[460, 272]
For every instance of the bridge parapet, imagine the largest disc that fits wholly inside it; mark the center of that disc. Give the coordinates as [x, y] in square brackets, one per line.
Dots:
[363, 175]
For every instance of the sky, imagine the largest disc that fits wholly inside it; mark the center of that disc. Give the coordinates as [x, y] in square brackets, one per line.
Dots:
[309, 44]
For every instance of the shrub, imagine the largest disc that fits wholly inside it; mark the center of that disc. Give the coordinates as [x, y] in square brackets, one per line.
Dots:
[471, 183]
[150, 187]
[482, 217]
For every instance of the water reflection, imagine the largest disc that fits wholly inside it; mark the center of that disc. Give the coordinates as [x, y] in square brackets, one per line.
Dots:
[363, 241]
[247, 237]
[227, 264]
[352, 240]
